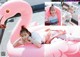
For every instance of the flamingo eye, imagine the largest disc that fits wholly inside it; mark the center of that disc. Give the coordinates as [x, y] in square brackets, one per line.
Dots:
[7, 11]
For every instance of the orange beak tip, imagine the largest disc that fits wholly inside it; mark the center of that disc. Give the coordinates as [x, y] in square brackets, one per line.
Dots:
[2, 26]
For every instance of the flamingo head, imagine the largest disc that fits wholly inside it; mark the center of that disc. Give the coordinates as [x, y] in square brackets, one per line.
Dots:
[11, 8]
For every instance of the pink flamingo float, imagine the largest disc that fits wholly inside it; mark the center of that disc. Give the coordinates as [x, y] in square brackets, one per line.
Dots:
[58, 48]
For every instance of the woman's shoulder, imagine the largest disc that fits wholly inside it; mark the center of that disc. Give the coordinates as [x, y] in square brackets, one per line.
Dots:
[34, 33]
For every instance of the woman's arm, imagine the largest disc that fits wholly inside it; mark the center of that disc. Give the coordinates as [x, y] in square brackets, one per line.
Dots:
[16, 43]
[36, 43]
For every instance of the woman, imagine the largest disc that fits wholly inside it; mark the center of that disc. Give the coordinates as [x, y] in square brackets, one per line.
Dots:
[52, 19]
[26, 37]
[35, 38]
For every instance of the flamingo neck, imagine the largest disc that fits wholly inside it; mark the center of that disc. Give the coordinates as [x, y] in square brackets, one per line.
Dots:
[25, 20]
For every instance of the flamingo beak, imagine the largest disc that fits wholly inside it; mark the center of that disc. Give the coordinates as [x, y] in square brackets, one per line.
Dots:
[2, 26]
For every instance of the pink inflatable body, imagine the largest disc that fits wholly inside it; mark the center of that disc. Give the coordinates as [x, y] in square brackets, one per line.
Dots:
[58, 12]
[57, 48]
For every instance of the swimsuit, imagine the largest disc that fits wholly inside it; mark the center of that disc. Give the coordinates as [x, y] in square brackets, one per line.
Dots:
[53, 20]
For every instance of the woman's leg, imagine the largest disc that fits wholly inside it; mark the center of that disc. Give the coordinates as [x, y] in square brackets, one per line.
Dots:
[49, 37]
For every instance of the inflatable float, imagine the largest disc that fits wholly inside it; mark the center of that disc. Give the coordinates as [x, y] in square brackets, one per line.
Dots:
[57, 48]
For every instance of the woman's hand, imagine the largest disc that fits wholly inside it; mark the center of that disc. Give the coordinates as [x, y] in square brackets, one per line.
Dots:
[25, 39]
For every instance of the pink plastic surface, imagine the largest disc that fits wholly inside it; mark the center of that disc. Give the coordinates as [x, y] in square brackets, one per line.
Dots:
[57, 48]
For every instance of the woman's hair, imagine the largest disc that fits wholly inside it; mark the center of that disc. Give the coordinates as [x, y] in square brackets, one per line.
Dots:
[51, 6]
[24, 29]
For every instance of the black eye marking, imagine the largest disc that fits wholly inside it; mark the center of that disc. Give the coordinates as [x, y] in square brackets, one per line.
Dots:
[7, 11]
